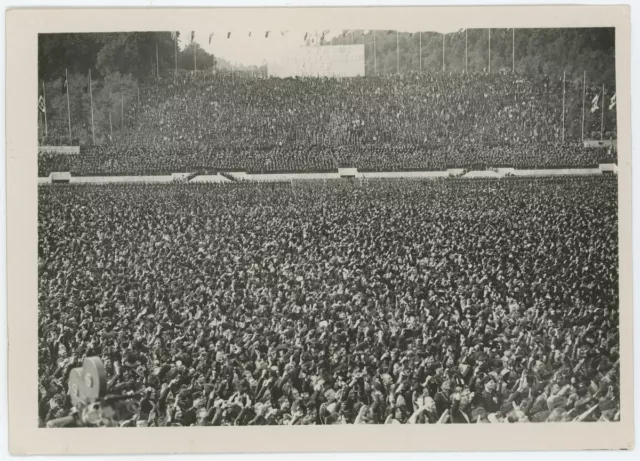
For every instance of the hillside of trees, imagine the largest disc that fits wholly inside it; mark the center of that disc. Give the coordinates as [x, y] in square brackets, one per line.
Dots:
[139, 54]
[538, 52]
[122, 63]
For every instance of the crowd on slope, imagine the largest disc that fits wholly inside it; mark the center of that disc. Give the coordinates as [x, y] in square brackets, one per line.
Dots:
[418, 109]
[410, 121]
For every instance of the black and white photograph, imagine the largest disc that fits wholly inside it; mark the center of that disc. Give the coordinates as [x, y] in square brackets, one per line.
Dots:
[376, 227]
[303, 226]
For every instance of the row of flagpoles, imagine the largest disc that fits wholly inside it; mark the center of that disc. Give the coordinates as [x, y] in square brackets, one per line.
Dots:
[594, 105]
[597, 102]
[42, 106]
[315, 41]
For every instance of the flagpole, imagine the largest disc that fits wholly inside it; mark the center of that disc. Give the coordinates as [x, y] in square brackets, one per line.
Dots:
[489, 50]
[602, 116]
[564, 74]
[66, 79]
[397, 54]
[420, 51]
[466, 52]
[195, 67]
[443, 52]
[584, 82]
[157, 62]
[93, 134]
[513, 50]
[175, 50]
[44, 100]
[375, 64]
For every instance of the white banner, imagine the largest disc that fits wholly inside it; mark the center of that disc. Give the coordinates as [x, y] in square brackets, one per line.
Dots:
[320, 61]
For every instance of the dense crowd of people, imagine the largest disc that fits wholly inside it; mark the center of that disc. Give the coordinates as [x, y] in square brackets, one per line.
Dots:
[127, 159]
[428, 108]
[337, 302]
[211, 122]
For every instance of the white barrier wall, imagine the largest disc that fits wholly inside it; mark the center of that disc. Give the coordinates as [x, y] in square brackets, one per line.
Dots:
[349, 172]
[484, 174]
[60, 176]
[118, 179]
[291, 176]
[568, 171]
[66, 177]
[239, 175]
[405, 174]
[179, 176]
[210, 178]
[609, 167]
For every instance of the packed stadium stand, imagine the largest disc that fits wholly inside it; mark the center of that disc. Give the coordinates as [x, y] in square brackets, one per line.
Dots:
[410, 122]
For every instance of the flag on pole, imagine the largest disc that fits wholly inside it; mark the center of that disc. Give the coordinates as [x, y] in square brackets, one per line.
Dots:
[193, 35]
[210, 37]
[64, 84]
[612, 104]
[41, 104]
[266, 34]
[173, 35]
[594, 103]
[306, 34]
[249, 33]
[228, 34]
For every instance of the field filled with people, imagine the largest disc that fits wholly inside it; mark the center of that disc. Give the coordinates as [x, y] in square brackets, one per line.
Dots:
[334, 302]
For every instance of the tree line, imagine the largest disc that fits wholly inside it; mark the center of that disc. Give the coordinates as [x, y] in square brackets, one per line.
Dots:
[121, 62]
[535, 52]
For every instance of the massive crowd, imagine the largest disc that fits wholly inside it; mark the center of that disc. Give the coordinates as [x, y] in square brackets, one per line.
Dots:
[125, 159]
[429, 108]
[412, 121]
[355, 302]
